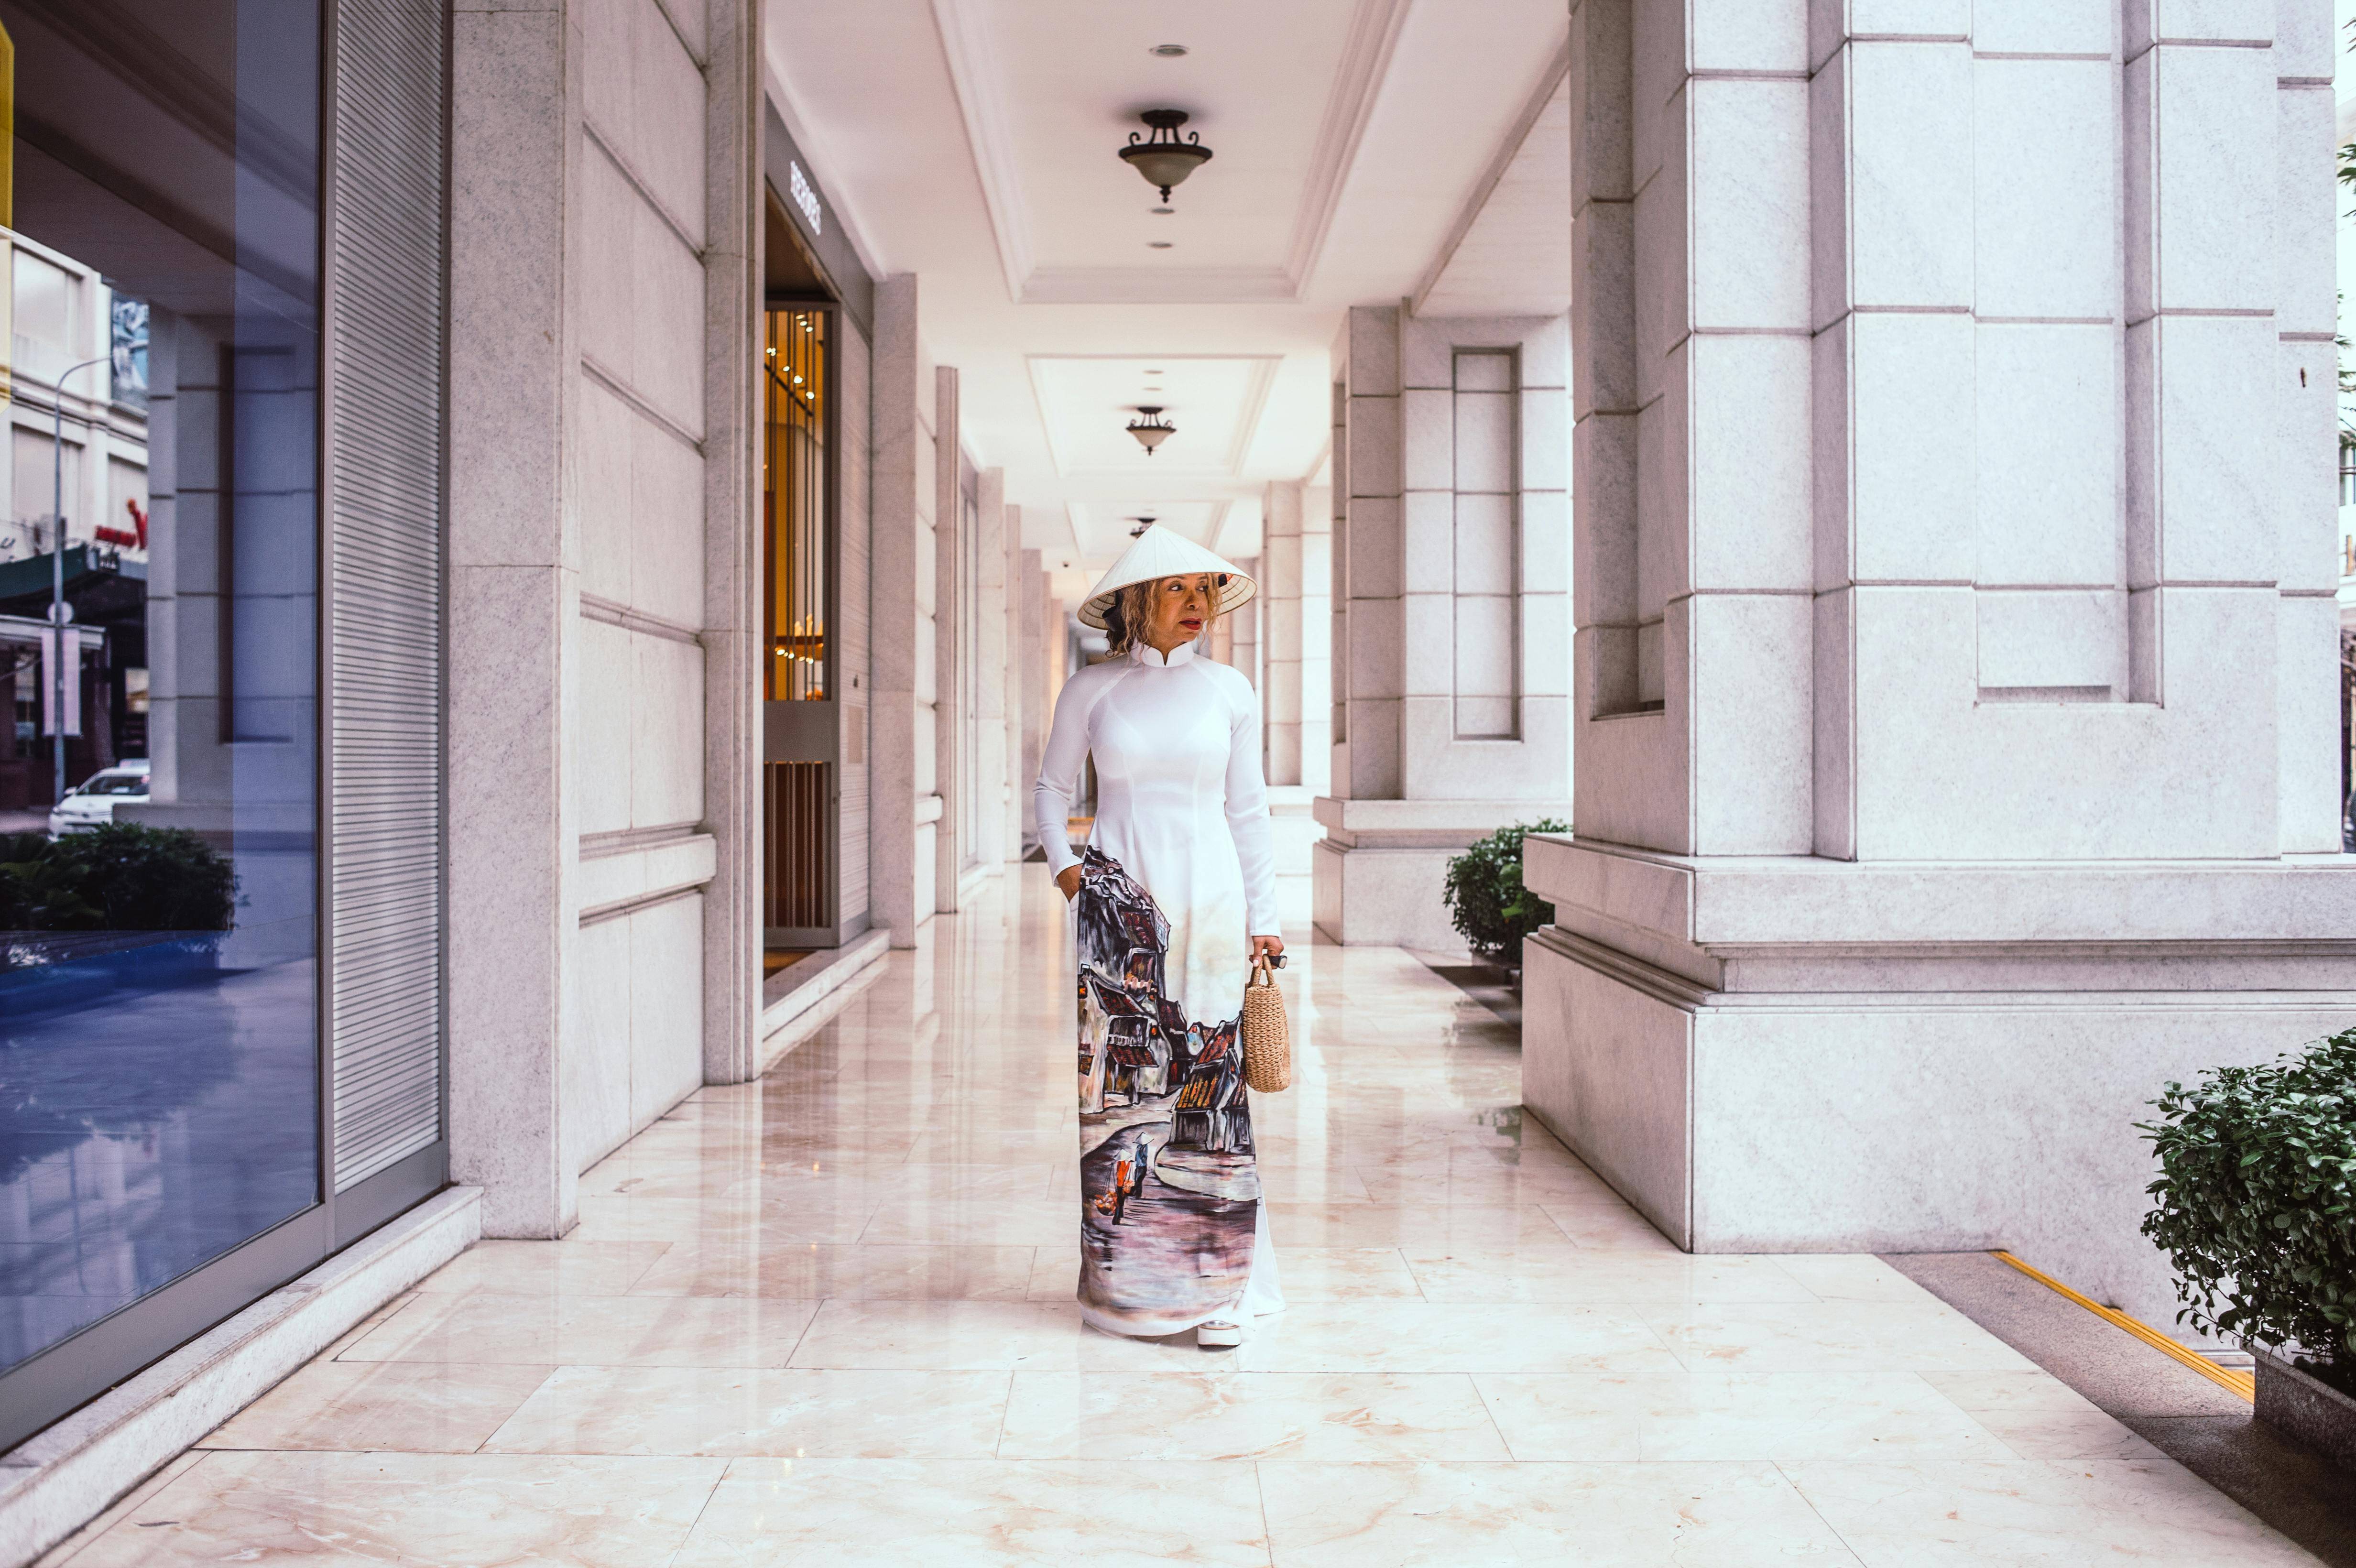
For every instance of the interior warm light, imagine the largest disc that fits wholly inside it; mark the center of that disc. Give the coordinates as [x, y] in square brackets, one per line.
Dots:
[1152, 430]
[1160, 155]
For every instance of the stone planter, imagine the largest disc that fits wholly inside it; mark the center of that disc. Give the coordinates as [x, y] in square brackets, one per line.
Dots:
[2304, 1407]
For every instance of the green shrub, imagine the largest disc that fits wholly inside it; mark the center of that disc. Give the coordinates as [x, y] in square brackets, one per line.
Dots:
[118, 877]
[2257, 1201]
[1490, 908]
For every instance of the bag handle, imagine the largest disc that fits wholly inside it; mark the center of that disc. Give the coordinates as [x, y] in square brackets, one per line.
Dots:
[1261, 975]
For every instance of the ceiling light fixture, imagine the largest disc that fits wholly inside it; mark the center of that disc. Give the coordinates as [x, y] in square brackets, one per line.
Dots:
[1142, 524]
[1152, 429]
[1160, 156]
[1157, 244]
[1167, 51]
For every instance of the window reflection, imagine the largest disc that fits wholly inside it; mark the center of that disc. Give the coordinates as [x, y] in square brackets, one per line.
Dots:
[158, 1007]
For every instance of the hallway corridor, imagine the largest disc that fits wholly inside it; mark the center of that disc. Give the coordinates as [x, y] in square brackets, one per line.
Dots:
[827, 1318]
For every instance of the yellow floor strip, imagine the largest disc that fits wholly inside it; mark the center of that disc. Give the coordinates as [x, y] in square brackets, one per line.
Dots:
[2243, 1384]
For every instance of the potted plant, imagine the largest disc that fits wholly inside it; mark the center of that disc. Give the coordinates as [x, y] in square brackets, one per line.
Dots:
[2257, 1213]
[1487, 903]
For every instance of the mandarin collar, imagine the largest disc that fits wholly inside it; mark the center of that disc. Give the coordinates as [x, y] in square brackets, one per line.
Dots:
[1144, 654]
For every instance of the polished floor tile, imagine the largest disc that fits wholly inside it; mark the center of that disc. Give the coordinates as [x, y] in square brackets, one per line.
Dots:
[2029, 1512]
[1159, 1416]
[413, 1407]
[828, 1319]
[599, 1330]
[732, 1414]
[980, 1513]
[430, 1510]
[1541, 1516]
[1758, 1416]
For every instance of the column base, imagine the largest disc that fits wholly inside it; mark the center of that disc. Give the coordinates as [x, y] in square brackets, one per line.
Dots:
[1378, 875]
[1800, 1055]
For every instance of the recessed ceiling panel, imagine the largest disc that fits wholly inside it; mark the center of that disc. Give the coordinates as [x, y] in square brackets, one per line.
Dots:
[1087, 402]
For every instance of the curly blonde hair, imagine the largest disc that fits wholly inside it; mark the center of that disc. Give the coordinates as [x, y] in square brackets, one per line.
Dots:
[1131, 610]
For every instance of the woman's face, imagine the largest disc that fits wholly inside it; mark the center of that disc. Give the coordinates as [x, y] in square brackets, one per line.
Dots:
[1181, 608]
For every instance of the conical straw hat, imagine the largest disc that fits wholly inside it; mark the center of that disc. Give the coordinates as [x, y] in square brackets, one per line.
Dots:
[1161, 552]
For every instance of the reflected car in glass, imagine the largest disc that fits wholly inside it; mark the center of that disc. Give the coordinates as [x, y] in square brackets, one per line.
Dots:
[93, 800]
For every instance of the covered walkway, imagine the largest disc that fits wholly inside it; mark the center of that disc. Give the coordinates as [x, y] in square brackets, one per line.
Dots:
[827, 1318]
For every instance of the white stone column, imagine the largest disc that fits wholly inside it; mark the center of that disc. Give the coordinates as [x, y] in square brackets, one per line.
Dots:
[900, 573]
[988, 832]
[514, 608]
[733, 640]
[1954, 641]
[1281, 588]
[1039, 639]
[1016, 658]
[950, 647]
[1452, 572]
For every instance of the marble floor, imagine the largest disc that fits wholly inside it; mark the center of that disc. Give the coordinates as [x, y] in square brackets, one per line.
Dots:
[827, 1319]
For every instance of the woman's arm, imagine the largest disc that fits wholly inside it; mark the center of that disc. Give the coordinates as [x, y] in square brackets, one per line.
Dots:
[1059, 774]
[1247, 817]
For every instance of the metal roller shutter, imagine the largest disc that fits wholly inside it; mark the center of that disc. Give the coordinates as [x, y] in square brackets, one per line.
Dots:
[384, 414]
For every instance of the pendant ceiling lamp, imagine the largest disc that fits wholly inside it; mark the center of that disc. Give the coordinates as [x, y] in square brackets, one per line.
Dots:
[1152, 430]
[1160, 155]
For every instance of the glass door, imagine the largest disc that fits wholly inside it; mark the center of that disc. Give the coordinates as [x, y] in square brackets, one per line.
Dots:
[799, 772]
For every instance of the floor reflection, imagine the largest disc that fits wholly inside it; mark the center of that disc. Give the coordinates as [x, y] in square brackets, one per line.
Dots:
[144, 1135]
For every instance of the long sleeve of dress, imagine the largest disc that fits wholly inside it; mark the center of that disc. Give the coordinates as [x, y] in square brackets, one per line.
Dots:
[1059, 771]
[1248, 818]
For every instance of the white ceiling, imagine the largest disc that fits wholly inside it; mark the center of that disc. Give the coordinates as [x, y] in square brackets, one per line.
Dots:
[1359, 146]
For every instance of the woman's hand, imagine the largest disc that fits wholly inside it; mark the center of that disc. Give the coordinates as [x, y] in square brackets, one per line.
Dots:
[1272, 946]
[1068, 879]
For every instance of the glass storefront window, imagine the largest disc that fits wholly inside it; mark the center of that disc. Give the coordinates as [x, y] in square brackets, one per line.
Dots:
[159, 569]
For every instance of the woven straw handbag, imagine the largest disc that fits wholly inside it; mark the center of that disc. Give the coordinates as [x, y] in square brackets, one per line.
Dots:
[1268, 1039]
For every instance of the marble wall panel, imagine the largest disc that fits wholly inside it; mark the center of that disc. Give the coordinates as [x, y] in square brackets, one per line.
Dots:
[605, 711]
[1608, 1070]
[1749, 666]
[596, 1057]
[2070, 638]
[1752, 482]
[2304, 46]
[2046, 27]
[2307, 629]
[643, 95]
[2049, 508]
[2234, 21]
[1913, 454]
[2201, 449]
[1748, 35]
[666, 1006]
[2305, 242]
[2201, 172]
[1430, 630]
[1374, 546]
[2045, 187]
[2307, 421]
[667, 732]
[1546, 542]
[666, 499]
[608, 545]
[1943, 775]
[1545, 646]
[1908, 167]
[1747, 220]
[1835, 1129]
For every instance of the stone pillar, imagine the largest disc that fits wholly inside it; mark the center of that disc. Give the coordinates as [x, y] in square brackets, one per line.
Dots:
[514, 607]
[1954, 636]
[950, 647]
[732, 636]
[1040, 628]
[1280, 587]
[1243, 637]
[1018, 783]
[1451, 566]
[987, 833]
[899, 599]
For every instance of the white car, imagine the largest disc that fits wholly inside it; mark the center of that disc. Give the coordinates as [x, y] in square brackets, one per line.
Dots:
[93, 800]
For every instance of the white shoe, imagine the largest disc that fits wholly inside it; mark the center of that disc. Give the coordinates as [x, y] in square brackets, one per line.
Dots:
[1218, 1336]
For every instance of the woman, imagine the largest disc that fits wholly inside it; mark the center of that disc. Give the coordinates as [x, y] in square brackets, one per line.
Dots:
[1174, 899]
